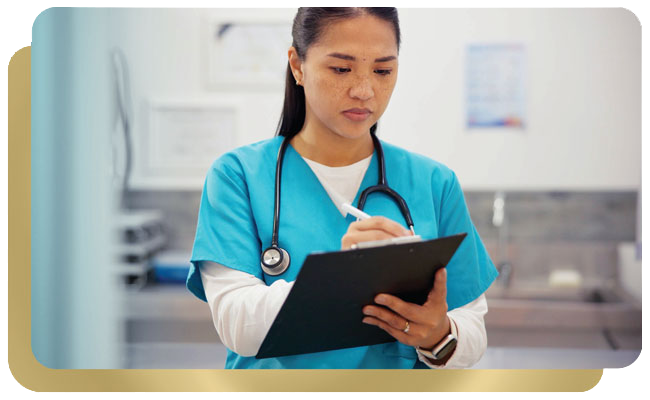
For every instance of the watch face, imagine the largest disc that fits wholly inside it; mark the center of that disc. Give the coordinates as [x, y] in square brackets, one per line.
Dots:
[446, 349]
[272, 257]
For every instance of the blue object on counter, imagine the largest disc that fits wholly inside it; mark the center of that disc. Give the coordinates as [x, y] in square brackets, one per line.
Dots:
[171, 266]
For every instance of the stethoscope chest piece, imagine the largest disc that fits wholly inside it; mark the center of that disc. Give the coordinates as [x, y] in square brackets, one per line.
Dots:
[275, 260]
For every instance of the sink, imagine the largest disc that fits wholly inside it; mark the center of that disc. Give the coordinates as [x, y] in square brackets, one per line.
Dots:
[553, 294]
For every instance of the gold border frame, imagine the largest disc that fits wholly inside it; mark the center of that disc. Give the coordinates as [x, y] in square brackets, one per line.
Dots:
[34, 376]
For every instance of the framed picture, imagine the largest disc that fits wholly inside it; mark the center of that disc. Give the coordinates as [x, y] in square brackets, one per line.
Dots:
[182, 139]
[247, 54]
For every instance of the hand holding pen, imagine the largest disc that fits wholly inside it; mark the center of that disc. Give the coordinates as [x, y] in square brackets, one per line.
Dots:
[369, 228]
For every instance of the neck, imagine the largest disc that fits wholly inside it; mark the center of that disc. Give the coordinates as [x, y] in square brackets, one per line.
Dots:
[331, 149]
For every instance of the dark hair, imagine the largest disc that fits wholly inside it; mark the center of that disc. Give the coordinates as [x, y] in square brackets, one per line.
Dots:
[307, 27]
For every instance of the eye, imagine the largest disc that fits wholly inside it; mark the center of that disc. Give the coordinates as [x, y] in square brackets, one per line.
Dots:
[338, 70]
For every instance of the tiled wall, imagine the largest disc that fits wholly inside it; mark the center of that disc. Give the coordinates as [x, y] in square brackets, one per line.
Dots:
[558, 216]
[546, 230]
[558, 230]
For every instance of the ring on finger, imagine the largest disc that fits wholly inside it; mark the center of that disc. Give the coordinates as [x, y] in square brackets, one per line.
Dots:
[408, 326]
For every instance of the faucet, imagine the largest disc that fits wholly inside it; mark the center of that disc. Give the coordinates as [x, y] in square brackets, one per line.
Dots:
[499, 221]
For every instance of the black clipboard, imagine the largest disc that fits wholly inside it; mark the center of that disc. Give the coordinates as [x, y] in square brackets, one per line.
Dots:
[323, 310]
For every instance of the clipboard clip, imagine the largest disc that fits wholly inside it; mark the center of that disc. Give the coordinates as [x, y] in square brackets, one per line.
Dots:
[386, 242]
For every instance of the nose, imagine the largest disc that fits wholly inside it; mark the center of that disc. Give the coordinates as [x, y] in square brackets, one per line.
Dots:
[362, 88]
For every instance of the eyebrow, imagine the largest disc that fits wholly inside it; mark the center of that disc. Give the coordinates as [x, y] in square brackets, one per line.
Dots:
[352, 58]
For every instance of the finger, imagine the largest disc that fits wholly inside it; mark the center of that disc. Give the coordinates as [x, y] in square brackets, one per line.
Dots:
[363, 236]
[396, 333]
[381, 223]
[410, 311]
[438, 293]
[354, 237]
[390, 318]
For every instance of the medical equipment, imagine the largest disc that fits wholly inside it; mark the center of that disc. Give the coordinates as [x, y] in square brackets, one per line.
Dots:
[141, 236]
[275, 260]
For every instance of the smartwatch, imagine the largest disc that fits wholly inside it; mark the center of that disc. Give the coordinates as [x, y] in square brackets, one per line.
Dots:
[444, 347]
[440, 350]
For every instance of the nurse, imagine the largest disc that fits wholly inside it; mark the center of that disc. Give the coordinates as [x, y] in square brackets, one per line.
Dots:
[342, 69]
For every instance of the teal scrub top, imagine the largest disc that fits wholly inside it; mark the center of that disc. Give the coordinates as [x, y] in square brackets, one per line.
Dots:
[235, 224]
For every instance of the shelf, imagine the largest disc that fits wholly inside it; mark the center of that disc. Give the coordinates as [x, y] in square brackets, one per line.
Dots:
[164, 302]
[142, 248]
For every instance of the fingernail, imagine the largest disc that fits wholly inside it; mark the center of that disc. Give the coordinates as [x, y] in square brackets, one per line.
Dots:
[367, 311]
[366, 321]
[380, 299]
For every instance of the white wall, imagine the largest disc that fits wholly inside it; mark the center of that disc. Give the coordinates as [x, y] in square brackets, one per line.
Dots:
[583, 128]
[584, 98]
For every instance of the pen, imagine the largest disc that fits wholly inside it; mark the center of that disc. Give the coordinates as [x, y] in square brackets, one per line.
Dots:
[361, 215]
[354, 211]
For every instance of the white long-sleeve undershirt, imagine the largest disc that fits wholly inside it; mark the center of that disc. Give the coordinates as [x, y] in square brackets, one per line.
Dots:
[243, 308]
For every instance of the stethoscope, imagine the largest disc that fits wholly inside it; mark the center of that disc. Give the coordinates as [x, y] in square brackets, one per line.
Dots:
[275, 260]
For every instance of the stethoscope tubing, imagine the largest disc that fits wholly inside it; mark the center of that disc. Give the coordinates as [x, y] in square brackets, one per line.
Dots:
[278, 182]
[382, 186]
[279, 267]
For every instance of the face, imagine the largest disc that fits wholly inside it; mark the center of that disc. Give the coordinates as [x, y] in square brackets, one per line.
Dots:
[353, 66]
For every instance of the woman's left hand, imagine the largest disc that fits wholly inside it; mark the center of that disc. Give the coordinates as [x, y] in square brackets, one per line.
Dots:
[427, 324]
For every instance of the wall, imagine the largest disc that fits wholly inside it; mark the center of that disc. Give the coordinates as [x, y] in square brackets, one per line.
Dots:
[583, 105]
[584, 92]
[168, 61]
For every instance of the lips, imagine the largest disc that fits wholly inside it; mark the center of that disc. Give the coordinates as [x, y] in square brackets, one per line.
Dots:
[358, 111]
[357, 114]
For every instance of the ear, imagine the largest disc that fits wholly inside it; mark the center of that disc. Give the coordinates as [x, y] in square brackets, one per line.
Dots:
[295, 63]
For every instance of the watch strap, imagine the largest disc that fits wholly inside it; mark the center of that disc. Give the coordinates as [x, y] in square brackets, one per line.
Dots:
[441, 349]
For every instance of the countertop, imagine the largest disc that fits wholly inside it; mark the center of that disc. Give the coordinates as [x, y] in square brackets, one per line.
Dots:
[213, 356]
[555, 358]
[171, 310]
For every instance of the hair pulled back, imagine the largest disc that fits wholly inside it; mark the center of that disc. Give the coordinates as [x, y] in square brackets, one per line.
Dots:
[308, 25]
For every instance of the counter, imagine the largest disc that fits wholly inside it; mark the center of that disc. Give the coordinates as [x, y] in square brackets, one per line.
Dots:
[167, 327]
[213, 356]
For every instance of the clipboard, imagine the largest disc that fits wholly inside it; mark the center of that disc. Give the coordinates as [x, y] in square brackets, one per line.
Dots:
[323, 310]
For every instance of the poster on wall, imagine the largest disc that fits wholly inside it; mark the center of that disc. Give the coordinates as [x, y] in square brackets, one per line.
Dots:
[495, 85]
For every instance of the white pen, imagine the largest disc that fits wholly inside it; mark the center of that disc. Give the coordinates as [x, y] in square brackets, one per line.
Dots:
[375, 243]
[350, 209]
[354, 211]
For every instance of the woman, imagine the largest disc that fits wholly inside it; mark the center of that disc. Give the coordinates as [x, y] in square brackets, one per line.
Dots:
[341, 73]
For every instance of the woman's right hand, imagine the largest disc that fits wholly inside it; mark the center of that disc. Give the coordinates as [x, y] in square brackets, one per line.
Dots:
[373, 228]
